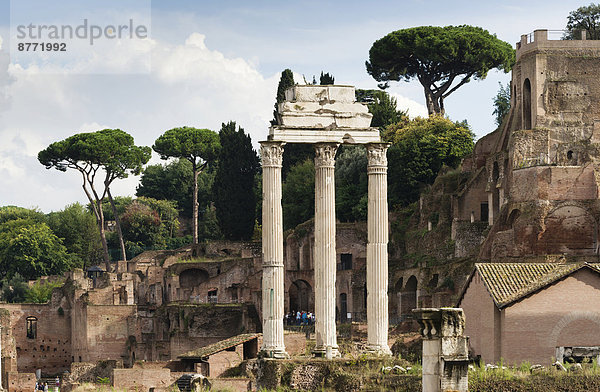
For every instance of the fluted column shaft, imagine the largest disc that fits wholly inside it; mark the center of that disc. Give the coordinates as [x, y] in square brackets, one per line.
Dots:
[272, 249]
[325, 252]
[377, 256]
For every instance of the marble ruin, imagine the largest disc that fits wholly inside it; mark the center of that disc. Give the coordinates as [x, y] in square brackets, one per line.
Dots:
[445, 354]
[325, 116]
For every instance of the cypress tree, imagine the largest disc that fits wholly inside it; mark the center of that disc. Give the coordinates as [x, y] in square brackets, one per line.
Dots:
[286, 81]
[326, 78]
[233, 189]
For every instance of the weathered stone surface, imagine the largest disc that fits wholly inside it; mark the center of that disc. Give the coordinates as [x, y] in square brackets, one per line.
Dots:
[445, 355]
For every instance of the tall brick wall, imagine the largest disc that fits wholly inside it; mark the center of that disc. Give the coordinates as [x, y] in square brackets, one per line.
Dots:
[108, 331]
[51, 348]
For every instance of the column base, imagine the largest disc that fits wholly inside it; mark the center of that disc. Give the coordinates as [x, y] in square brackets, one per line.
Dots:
[326, 352]
[379, 350]
[273, 353]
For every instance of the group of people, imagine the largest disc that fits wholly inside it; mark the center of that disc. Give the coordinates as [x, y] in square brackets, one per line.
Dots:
[41, 386]
[299, 318]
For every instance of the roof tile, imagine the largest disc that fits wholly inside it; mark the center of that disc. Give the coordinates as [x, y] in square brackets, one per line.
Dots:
[509, 282]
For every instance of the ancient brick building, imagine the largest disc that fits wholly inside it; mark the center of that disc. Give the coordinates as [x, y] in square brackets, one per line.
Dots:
[535, 179]
[535, 183]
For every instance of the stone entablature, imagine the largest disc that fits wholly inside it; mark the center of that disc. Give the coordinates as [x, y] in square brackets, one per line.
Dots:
[316, 114]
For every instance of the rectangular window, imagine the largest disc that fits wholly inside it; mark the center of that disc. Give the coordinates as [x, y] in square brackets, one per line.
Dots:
[212, 296]
[346, 261]
[31, 327]
[484, 212]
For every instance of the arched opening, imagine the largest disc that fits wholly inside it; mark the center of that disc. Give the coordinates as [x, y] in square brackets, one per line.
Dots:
[301, 296]
[192, 277]
[510, 222]
[434, 281]
[396, 301]
[409, 296]
[344, 308]
[527, 104]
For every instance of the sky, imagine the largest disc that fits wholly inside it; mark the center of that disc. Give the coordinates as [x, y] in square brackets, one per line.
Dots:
[204, 63]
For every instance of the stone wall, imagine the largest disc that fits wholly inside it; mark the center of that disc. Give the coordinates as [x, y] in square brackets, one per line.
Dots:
[141, 380]
[468, 237]
[50, 347]
[20, 382]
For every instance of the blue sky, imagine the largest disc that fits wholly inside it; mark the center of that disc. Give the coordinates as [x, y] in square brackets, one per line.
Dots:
[215, 61]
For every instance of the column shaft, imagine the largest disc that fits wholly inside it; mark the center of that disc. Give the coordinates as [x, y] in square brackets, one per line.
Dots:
[490, 208]
[377, 256]
[272, 248]
[325, 251]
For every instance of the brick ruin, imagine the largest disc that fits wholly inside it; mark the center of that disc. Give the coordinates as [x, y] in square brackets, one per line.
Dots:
[529, 191]
[163, 304]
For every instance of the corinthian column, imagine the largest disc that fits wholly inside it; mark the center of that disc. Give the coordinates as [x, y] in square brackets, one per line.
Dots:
[272, 250]
[326, 341]
[377, 256]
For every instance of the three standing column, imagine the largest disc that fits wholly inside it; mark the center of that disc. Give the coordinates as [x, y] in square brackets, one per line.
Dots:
[273, 345]
[325, 250]
[377, 256]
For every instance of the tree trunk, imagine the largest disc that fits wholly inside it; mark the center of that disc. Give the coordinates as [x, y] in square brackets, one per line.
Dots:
[104, 244]
[100, 222]
[195, 207]
[118, 223]
[435, 105]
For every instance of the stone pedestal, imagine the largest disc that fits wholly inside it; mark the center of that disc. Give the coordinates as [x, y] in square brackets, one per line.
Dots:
[377, 256]
[272, 249]
[325, 252]
[445, 355]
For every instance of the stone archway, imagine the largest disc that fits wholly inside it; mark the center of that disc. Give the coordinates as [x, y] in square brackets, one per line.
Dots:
[409, 296]
[560, 334]
[527, 104]
[301, 296]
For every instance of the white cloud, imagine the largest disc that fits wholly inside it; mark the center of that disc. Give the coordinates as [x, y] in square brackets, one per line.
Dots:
[190, 84]
[414, 108]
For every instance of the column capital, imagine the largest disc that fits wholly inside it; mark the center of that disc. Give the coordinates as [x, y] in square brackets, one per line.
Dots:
[271, 153]
[325, 154]
[376, 155]
[436, 323]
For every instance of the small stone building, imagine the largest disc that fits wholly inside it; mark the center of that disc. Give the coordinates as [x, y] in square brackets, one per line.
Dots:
[532, 312]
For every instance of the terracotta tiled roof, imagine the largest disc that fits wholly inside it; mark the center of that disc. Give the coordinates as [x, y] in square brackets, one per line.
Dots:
[214, 348]
[509, 282]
